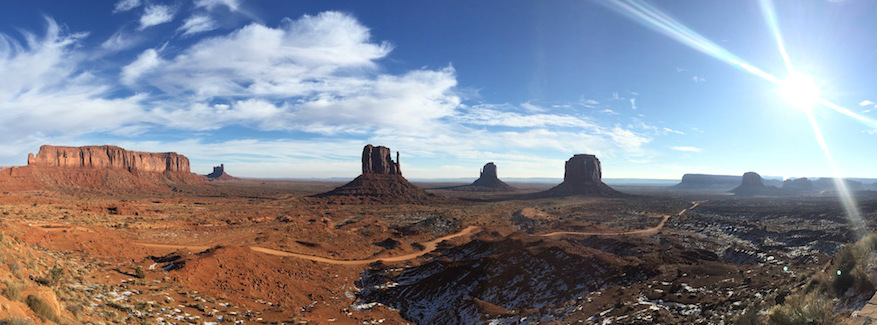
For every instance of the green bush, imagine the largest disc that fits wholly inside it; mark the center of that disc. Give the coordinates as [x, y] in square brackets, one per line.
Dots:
[810, 309]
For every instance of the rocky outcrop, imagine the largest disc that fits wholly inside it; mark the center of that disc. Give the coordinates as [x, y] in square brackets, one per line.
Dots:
[486, 182]
[381, 182]
[582, 176]
[109, 157]
[752, 185]
[797, 186]
[377, 160]
[219, 174]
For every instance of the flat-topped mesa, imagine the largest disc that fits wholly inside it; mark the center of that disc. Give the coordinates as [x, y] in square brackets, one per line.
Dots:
[752, 185]
[583, 167]
[377, 160]
[582, 176]
[109, 157]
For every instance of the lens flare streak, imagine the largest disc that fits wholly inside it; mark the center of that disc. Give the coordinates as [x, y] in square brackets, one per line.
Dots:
[653, 18]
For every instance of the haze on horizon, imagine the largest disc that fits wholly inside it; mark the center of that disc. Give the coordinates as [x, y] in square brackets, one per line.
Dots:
[291, 89]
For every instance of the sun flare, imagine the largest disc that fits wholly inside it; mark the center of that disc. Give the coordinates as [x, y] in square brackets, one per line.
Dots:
[800, 91]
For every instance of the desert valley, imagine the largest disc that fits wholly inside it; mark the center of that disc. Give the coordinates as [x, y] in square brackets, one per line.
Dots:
[103, 235]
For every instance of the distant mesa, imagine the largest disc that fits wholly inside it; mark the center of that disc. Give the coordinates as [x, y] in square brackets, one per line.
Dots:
[798, 186]
[381, 181]
[700, 182]
[486, 182]
[99, 167]
[219, 174]
[752, 185]
[582, 176]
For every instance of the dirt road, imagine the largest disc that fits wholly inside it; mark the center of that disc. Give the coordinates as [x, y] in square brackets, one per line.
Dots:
[428, 246]
[647, 231]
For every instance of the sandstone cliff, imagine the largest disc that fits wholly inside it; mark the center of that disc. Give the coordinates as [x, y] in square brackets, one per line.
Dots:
[99, 168]
[582, 176]
[109, 157]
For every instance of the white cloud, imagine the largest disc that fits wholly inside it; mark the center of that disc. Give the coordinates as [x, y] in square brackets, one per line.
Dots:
[120, 41]
[125, 5]
[590, 103]
[866, 103]
[698, 79]
[145, 62]
[156, 15]
[50, 96]
[609, 111]
[686, 149]
[669, 130]
[533, 108]
[633, 103]
[316, 74]
[197, 24]
[232, 5]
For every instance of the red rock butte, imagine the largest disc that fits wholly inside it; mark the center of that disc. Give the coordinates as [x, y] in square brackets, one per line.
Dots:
[582, 176]
[109, 157]
[381, 181]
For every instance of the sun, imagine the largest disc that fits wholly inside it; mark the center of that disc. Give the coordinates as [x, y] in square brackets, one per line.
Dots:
[800, 91]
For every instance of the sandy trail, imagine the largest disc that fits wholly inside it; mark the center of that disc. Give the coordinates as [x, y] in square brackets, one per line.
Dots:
[647, 231]
[429, 246]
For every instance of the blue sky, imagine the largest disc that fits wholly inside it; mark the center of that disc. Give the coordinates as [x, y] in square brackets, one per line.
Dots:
[296, 88]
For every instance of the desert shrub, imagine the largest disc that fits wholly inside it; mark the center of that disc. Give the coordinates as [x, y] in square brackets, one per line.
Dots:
[810, 309]
[41, 308]
[13, 290]
[16, 321]
[52, 278]
[138, 272]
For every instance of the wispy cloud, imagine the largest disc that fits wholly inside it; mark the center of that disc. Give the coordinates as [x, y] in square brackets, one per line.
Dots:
[669, 130]
[197, 24]
[125, 5]
[866, 103]
[698, 79]
[51, 96]
[609, 111]
[232, 5]
[686, 149]
[633, 103]
[156, 15]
